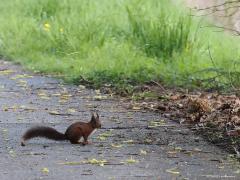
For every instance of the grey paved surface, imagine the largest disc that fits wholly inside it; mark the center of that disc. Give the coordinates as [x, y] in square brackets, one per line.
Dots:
[166, 152]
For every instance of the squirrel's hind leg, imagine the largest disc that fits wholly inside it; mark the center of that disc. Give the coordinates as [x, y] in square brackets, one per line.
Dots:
[75, 141]
[85, 140]
[75, 136]
[23, 143]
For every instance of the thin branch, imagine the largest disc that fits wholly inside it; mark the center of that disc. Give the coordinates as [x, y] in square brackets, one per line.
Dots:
[211, 58]
[219, 5]
[223, 28]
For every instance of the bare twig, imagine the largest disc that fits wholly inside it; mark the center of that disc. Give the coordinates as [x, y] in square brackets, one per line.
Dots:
[211, 58]
[219, 5]
[223, 28]
[159, 85]
[237, 152]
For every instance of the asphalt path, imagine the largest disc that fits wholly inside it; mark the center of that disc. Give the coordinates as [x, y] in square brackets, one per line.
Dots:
[131, 144]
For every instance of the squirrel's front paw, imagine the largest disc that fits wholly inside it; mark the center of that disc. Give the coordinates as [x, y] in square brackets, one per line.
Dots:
[86, 142]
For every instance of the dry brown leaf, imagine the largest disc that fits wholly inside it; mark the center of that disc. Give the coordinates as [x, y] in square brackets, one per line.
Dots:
[235, 132]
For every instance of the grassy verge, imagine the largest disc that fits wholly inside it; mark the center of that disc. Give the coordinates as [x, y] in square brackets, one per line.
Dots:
[122, 43]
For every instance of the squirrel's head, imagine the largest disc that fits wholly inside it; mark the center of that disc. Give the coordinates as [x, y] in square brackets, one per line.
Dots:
[95, 121]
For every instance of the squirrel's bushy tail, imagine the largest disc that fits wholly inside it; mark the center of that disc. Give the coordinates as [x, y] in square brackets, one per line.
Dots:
[41, 131]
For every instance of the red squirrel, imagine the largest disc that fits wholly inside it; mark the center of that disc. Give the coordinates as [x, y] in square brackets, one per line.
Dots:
[73, 133]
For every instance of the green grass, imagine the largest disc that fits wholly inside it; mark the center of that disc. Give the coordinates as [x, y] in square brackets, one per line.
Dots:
[123, 43]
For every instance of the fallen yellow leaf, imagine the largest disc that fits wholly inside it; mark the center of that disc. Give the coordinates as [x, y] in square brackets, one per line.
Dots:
[71, 110]
[105, 135]
[56, 94]
[142, 152]
[6, 72]
[97, 91]
[43, 95]
[102, 138]
[45, 170]
[99, 97]
[173, 171]
[72, 163]
[81, 87]
[5, 130]
[156, 123]
[5, 108]
[97, 162]
[20, 76]
[172, 152]
[12, 153]
[54, 113]
[131, 160]
[178, 148]
[197, 150]
[116, 145]
[148, 140]
[128, 141]
[136, 108]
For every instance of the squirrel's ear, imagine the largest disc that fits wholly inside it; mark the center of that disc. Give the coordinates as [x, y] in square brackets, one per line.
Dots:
[93, 117]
